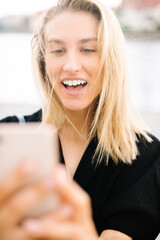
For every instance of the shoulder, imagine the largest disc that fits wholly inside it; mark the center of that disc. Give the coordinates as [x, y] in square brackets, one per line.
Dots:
[145, 164]
[35, 117]
[148, 152]
[133, 205]
[144, 144]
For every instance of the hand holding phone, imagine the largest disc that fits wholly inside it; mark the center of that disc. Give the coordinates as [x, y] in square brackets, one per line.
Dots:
[34, 142]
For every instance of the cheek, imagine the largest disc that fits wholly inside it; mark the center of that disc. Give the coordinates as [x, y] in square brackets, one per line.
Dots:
[53, 69]
[93, 66]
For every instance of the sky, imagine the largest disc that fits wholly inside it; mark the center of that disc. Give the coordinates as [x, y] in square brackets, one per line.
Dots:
[14, 7]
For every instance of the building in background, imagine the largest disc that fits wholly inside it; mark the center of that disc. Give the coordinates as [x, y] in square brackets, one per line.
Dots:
[141, 4]
[140, 18]
[18, 23]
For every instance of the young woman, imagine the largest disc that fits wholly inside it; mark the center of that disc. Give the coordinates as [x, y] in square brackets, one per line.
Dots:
[80, 68]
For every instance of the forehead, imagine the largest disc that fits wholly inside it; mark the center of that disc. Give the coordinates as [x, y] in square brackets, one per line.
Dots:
[72, 25]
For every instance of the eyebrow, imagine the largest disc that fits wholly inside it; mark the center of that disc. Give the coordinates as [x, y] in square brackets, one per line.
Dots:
[93, 39]
[54, 40]
[85, 40]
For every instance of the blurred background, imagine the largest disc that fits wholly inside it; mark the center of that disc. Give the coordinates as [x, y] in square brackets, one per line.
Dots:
[140, 21]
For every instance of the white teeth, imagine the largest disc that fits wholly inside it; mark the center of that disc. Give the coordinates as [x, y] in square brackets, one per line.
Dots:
[74, 82]
[70, 83]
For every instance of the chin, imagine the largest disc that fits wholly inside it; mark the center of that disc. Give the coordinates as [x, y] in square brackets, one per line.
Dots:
[75, 107]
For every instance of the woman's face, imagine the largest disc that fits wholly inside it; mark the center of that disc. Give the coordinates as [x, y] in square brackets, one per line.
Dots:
[72, 58]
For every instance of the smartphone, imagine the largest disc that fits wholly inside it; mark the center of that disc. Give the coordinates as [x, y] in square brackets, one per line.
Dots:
[35, 142]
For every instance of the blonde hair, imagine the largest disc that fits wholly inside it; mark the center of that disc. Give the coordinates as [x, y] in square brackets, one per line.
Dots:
[115, 121]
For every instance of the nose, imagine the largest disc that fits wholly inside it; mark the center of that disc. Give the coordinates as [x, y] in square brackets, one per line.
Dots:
[72, 63]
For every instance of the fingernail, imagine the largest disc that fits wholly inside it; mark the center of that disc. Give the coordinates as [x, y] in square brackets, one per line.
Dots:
[48, 183]
[66, 210]
[28, 167]
[32, 226]
[60, 176]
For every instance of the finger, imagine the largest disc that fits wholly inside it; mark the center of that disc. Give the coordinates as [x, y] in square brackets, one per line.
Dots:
[58, 230]
[61, 213]
[15, 234]
[15, 180]
[26, 199]
[72, 193]
[52, 230]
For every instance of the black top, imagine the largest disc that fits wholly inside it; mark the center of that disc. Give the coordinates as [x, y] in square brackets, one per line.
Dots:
[124, 197]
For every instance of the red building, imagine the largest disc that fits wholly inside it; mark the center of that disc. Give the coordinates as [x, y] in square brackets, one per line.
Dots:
[140, 4]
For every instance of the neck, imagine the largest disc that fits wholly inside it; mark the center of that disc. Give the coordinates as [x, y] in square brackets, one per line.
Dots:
[79, 124]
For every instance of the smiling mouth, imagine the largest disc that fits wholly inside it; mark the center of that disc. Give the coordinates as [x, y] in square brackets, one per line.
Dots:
[74, 84]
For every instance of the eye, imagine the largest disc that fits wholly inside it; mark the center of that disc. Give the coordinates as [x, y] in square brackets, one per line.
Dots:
[88, 50]
[58, 51]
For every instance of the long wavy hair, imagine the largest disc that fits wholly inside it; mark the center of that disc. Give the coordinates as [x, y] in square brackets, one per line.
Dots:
[115, 121]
